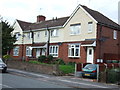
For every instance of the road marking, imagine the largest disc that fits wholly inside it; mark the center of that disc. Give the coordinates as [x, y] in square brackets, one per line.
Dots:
[31, 73]
[6, 86]
[82, 83]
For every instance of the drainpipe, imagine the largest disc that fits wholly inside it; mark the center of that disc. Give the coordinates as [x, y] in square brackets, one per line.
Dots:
[48, 42]
[100, 42]
[32, 36]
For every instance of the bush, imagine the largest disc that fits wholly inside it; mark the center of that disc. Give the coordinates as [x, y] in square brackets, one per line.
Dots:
[71, 63]
[113, 75]
[60, 61]
[49, 58]
[42, 58]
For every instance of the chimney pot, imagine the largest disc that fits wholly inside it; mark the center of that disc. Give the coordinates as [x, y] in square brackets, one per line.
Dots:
[40, 18]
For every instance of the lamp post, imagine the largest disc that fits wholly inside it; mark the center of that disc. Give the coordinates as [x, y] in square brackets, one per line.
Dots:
[48, 41]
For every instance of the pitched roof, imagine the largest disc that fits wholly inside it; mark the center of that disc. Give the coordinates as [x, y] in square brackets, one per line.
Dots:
[24, 25]
[39, 25]
[100, 18]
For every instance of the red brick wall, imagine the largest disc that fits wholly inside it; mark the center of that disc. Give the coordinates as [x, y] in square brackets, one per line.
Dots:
[109, 46]
[63, 53]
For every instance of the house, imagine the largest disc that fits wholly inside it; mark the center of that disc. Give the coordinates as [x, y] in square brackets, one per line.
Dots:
[86, 36]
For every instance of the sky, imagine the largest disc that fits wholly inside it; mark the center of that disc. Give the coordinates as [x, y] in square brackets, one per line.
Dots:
[27, 10]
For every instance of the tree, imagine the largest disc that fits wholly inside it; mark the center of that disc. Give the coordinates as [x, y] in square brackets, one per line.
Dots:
[7, 39]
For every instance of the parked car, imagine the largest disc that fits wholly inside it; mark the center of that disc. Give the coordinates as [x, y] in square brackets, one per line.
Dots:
[3, 66]
[90, 70]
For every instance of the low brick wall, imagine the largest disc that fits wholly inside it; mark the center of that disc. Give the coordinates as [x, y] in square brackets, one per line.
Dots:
[39, 68]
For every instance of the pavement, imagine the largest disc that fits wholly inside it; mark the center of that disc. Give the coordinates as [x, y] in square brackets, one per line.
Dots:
[71, 81]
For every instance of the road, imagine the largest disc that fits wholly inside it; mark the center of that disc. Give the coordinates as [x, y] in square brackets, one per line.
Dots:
[21, 79]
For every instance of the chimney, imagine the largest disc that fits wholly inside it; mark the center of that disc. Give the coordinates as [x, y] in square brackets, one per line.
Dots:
[40, 18]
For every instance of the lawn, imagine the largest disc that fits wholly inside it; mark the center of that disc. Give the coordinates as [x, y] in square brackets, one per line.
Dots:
[67, 68]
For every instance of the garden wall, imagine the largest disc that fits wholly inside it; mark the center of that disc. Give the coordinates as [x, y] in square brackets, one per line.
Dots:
[39, 68]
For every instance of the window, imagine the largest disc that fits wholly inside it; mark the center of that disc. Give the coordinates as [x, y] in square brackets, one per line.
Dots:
[16, 51]
[46, 33]
[54, 51]
[30, 35]
[75, 29]
[17, 35]
[54, 33]
[28, 51]
[74, 50]
[90, 27]
[38, 34]
[114, 34]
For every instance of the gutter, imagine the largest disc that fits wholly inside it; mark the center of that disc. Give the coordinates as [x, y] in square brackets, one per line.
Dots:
[42, 29]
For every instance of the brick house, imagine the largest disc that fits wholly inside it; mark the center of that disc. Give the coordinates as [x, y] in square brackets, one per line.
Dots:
[85, 36]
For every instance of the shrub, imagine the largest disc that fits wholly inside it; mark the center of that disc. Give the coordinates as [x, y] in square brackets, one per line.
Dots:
[60, 61]
[71, 63]
[42, 58]
[49, 58]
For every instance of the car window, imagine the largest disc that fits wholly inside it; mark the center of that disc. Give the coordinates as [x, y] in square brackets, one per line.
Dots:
[1, 60]
[90, 66]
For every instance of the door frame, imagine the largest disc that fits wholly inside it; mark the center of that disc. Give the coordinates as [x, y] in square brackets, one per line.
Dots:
[90, 59]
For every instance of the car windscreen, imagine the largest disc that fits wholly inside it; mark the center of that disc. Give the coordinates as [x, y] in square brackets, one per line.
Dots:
[90, 66]
[1, 60]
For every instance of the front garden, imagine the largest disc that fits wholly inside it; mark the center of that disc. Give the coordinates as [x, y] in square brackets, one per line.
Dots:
[65, 68]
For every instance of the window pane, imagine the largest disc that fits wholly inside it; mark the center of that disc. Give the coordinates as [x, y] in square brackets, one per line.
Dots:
[90, 26]
[90, 51]
[75, 29]
[72, 52]
[77, 52]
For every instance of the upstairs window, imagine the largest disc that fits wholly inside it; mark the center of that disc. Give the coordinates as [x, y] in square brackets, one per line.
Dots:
[30, 35]
[114, 34]
[46, 33]
[90, 27]
[74, 50]
[16, 51]
[38, 34]
[75, 29]
[54, 33]
[17, 35]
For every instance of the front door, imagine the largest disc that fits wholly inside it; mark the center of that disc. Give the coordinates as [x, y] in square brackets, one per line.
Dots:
[90, 54]
[37, 53]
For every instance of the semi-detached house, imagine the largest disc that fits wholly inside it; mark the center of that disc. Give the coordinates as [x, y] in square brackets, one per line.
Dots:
[85, 36]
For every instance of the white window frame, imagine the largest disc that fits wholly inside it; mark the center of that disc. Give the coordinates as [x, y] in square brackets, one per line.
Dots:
[74, 48]
[28, 51]
[46, 33]
[38, 34]
[114, 34]
[75, 29]
[16, 51]
[53, 50]
[54, 33]
[90, 27]
[17, 35]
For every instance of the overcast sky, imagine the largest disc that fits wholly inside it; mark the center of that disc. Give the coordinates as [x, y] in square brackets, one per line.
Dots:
[27, 10]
